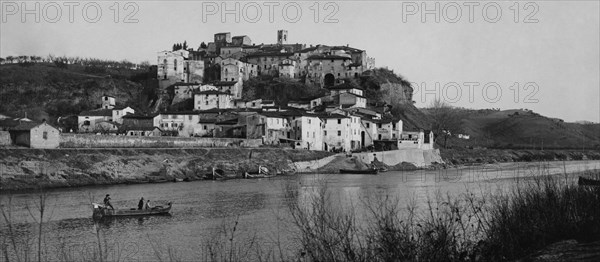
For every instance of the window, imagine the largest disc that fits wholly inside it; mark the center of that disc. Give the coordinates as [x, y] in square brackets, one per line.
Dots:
[206, 102]
[339, 133]
[309, 121]
[368, 125]
[325, 133]
[175, 64]
[204, 127]
[45, 135]
[174, 124]
[379, 125]
[86, 123]
[189, 117]
[339, 121]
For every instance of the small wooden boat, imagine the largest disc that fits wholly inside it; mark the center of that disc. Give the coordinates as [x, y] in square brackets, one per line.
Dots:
[262, 172]
[588, 182]
[216, 174]
[101, 211]
[371, 171]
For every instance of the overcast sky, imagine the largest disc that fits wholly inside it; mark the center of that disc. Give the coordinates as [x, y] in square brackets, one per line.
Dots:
[543, 56]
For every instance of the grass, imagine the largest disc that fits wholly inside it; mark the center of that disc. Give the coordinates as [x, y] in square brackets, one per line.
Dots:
[494, 227]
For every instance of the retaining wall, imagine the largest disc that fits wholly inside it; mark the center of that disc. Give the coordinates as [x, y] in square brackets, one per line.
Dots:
[108, 141]
[418, 157]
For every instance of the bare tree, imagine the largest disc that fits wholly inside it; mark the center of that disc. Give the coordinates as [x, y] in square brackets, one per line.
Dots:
[446, 120]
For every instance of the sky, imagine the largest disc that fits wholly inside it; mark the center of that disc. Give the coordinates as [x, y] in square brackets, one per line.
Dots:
[537, 55]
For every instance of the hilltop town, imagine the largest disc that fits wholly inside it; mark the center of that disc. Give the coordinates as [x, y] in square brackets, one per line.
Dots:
[338, 117]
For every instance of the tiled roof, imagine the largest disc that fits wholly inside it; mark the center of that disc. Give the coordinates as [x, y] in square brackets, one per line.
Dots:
[261, 54]
[25, 126]
[232, 121]
[332, 116]
[207, 121]
[132, 116]
[327, 57]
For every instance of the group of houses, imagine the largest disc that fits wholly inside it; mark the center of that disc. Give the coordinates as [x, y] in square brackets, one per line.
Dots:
[229, 61]
[338, 121]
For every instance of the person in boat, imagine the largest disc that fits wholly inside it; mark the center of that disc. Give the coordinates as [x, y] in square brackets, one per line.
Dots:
[107, 202]
[148, 205]
[141, 204]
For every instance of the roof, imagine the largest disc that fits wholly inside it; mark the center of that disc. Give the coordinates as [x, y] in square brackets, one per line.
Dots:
[132, 116]
[139, 128]
[299, 102]
[120, 107]
[353, 94]
[179, 113]
[347, 48]
[327, 57]
[207, 121]
[232, 121]
[211, 92]
[225, 83]
[97, 112]
[333, 116]
[313, 48]
[186, 84]
[272, 114]
[261, 54]
[25, 126]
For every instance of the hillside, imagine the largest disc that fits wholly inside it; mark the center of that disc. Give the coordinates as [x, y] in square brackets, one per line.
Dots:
[45, 91]
[523, 129]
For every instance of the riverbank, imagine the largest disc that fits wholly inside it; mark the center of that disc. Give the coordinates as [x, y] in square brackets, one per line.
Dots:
[463, 156]
[28, 169]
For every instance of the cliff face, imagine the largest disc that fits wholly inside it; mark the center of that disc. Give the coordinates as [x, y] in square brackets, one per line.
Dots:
[31, 169]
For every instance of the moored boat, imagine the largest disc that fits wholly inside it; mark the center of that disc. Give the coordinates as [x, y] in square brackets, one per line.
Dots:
[588, 182]
[101, 211]
[262, 172]
[360, 171]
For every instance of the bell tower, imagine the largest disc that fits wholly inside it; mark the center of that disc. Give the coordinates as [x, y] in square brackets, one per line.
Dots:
[282, 37]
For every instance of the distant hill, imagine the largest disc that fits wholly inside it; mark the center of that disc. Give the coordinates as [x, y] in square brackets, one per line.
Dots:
[45, 91]
[524, 129]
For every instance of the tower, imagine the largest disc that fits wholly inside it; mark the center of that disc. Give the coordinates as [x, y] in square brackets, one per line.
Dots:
[282, 37]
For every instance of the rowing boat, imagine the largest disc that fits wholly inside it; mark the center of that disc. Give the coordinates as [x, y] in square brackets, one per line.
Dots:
[102, 211]
[588, 182]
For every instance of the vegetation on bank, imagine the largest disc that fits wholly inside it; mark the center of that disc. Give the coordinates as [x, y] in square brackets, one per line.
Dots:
[465, 156]
[503, 226]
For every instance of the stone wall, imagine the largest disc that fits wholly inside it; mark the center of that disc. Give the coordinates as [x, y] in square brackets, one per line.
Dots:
[108, 141]
[5, 138]
[418, 157]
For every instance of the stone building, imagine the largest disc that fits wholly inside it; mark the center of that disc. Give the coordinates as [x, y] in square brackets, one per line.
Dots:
[176, 66]
[35, 135]
[212, 99]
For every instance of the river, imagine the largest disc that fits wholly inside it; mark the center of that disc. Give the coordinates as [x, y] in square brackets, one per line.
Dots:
[256, 207]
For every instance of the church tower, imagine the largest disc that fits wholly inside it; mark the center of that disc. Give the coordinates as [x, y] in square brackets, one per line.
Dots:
[282, 37]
